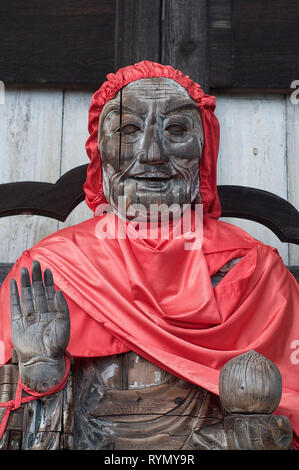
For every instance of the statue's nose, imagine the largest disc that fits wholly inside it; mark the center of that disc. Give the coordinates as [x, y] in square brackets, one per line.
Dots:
[152, 151]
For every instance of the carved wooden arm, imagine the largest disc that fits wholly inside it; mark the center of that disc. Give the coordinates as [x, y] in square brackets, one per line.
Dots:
[43, 424]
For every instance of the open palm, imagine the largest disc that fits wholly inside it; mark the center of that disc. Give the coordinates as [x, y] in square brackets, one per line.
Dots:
[40, 319]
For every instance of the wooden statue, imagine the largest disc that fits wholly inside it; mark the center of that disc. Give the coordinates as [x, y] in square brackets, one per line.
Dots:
[124, 401]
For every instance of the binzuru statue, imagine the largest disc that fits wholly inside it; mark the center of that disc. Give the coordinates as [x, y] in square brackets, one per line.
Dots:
[176, 326]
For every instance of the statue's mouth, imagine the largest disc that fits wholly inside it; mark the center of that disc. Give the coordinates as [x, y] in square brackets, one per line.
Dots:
[154, 176]
[152, 181]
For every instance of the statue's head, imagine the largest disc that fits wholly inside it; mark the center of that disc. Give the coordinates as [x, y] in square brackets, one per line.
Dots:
[153, 140]
[150, 141]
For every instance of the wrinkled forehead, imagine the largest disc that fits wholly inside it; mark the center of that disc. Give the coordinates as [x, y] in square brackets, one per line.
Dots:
[140, 94]
[156, 88]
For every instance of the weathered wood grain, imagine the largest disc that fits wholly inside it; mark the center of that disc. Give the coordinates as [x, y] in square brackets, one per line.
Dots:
[8, 386]
[263, 207]
[9, 374]
[253, 151]
[185, 38]
[47, 199]
[253, 44]
[250, 383]
[220, 46]
[15, 440]
[292, 161]
[137, 33]
[74, 136]
[30, 135]
[123, 403]
[56, 41]
[265, 43]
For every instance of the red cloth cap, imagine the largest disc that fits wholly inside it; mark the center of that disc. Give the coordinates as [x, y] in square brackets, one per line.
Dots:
[208, 167]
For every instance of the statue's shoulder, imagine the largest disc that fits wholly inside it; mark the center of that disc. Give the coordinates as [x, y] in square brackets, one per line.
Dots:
[83, 229]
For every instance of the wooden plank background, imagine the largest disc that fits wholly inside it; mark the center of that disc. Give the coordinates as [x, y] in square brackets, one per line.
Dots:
[56, 41]
[43, 134]
[223, 43]
[253, 44]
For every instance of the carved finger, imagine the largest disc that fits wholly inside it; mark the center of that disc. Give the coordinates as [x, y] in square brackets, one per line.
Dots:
[60, 304]
[15, 307]
[50, 289]
[38, 290]
[26, 293]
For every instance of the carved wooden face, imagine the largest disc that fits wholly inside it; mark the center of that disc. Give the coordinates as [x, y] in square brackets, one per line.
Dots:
[150, 140]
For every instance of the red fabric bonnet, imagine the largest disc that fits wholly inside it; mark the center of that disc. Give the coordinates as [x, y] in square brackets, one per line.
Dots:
[206, 104]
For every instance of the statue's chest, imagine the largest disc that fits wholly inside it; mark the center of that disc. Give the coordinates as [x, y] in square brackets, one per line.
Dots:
[125, 402]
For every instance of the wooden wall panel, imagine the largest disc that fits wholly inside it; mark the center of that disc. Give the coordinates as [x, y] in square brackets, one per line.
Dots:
[56, 41]
[292, 127]
[137, 31]
[74, 136]
[185, 38]
[253, 44]
[220, 44]
[253, 152]
[30, 135]
[265, 43]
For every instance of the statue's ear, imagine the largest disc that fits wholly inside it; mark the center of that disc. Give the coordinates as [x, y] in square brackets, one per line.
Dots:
[99, 134]
[198, 199]
[100, 128]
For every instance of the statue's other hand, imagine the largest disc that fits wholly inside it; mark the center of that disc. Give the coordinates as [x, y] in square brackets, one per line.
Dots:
[246, 432]
[258, 432]
[40, 326]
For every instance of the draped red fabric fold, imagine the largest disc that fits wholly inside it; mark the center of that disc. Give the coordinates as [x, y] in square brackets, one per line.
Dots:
[157, 298]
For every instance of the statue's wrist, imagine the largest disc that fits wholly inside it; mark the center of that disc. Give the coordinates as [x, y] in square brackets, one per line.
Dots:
[41, 376]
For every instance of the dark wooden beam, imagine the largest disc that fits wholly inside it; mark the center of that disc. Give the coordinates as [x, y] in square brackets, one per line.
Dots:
[137, 31]
[253, 44]
[57, 41]
[50, 200]
[266, 51]
[261, 206]
[185, 38]
[220, 43]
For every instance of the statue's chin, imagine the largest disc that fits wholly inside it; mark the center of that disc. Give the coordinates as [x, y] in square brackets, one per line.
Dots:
[143, 211]
[134, 202]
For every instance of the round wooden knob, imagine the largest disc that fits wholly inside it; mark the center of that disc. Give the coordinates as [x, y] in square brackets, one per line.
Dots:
[250, 383]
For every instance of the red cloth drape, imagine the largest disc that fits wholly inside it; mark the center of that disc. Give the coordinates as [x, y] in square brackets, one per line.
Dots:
[155, 297]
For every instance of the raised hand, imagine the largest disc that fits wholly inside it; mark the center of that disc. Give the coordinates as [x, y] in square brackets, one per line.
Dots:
[40, 326]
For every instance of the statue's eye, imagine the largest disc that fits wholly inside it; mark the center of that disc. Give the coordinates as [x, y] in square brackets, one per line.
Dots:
[129, 129]
[175, 129]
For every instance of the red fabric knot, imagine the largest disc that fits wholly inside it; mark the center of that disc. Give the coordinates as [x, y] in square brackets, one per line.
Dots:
[33, 395]
[10, 405]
